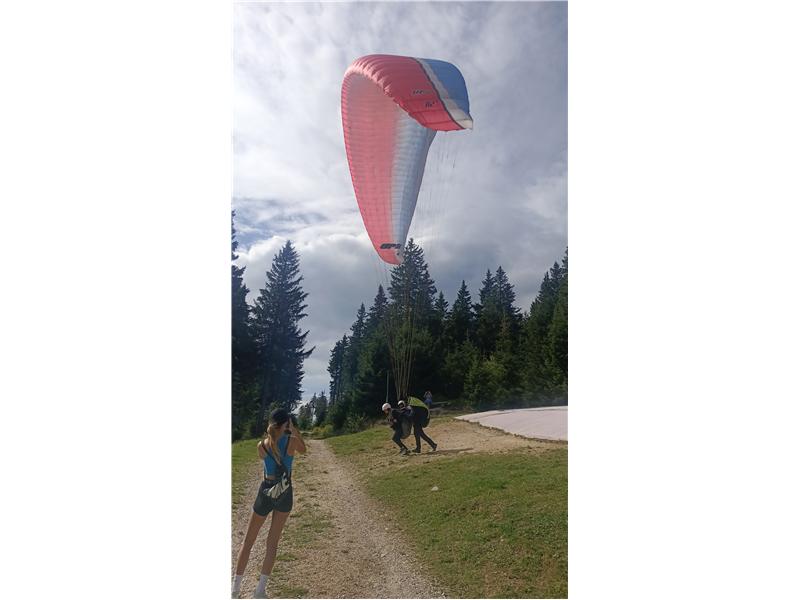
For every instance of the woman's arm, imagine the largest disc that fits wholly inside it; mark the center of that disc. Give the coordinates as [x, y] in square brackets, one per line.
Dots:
[297, 444]
[262, 451]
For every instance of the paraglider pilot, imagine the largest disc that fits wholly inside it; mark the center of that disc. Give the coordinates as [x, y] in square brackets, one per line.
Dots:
[403, 418]
[396, 418]
[420, 417]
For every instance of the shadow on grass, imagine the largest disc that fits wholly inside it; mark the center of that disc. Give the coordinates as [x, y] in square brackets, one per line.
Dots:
[438, 452]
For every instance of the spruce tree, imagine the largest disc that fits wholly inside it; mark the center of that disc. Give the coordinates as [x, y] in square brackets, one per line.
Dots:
[336, 368]
[320, 409]
[457, 365]
[488, 316]
[374, 365]
[543, 374]
[461, 320]
[304, 419]
[354, 349]
[411, 286]
[240, 310]
[377, 313]
[557, 335]
[242, 372]
[505, 295]
[486, 293]
[439, 317]
[412, 294]
[279, 340]
[507, 355]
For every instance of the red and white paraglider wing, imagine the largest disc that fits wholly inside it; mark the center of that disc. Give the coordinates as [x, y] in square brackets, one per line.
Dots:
[392, 107]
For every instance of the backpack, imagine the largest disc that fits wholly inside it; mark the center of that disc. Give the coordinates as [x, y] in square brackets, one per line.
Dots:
[421, 407]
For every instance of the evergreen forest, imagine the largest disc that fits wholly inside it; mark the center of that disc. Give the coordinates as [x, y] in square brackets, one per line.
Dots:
[480, 353]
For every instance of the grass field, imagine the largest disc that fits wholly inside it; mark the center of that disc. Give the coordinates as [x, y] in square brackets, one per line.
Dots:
[495, 527]
[360, 445]
[243, 457]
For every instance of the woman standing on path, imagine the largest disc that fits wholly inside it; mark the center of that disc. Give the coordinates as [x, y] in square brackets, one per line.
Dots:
[277, 449]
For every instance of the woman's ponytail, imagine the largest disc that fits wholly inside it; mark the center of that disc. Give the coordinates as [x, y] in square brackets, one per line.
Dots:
[272, 441]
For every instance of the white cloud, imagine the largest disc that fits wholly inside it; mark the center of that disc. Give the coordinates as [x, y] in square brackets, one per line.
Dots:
[504, 203]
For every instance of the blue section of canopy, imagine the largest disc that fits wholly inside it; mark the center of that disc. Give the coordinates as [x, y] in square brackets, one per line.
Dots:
[452, 79]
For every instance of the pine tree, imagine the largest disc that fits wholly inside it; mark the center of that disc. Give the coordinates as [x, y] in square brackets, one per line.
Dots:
[411, 286]
[377, 313]
[357, 329]
[336, 368]
[304, 419]
[358, 325]
[457, 365]
[374, 365]
[487, 293]
[351, 353]
[242, 372]
[320, 409]
[280, 342]
[543, 375]
[240, 310]
[557, 334]
[508, 356]
[488, 316]
[483, 386]
[505, 295]
[461, 320]
[412, 294]
[439, 317]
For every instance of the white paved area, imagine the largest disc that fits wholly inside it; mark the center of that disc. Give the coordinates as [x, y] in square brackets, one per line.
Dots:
[547, 423]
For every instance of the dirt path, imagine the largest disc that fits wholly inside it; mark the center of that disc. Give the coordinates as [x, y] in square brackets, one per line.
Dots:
[337, 542]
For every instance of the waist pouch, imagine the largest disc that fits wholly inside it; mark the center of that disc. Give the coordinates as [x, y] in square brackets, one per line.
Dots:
[279, 488]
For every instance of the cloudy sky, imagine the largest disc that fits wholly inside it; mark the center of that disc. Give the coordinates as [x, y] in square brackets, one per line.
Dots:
[493, 196]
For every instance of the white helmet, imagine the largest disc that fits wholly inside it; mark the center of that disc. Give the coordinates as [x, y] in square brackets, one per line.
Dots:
[386, 406]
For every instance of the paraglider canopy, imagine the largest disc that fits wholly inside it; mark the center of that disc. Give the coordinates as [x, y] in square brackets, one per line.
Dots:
[392, 107]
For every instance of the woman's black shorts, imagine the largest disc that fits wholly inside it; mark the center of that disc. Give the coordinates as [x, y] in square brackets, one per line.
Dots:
[264, 504]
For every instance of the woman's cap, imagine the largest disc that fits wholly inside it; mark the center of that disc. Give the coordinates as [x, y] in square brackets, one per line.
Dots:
[386, 407]
[279, 416]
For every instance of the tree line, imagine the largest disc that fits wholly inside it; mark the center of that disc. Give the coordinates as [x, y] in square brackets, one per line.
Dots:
[484, 354]
[479, 354]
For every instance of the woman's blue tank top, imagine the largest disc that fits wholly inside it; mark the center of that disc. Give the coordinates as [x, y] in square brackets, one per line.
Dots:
[270, 466]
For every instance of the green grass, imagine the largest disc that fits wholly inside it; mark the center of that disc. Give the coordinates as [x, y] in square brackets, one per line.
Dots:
[363, 441]
[243, 457]
[496, 527]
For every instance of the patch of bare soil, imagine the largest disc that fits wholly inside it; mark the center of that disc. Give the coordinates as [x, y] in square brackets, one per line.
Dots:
[452, 438]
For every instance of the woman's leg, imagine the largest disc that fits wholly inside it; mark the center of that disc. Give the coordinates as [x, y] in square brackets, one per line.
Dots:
[275, 529]
[256, 521]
